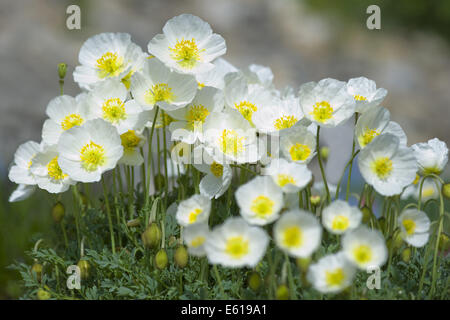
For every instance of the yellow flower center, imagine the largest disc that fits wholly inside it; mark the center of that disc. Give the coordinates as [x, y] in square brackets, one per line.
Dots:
[299, 152]
[71, 120]
[159, 92]
[322, 111]
[236, 247]
[92, 156]
[284, 122]
[230, 142]
[129, 140]
[200, 85]
[54, 170]
[334, 278]
[362, 254]
[127, 79]
[216, 169]
[409, 225]
[382, 167]
[194, 214]
[186, 53]
[246, 109]
[292, 237]
[359, 97]
[340, 223]
[284, 179]
[262, 206]
[198, 241]
[196, 116]
[109, 65]
[367, 136]
[431, 170]
[114, 110]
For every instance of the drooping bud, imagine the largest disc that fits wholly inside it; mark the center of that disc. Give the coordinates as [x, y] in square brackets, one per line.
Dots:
[58, 211]
[254, 281]
[406, 255]
[151, 237]
[367, 214]
[446, 190]
[84, 268]
[315, 200]
[181, 256]
[62, 69]
[444, 242]
[282, 292]
[161, 259]
[303, 264]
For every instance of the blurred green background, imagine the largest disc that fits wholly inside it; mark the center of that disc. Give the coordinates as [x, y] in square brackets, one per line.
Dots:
[300, 40]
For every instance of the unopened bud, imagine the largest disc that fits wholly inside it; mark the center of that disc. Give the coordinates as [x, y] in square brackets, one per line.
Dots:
[151, 236]
[406, 255]
[324, 152]
[43, 294]
[282, 292]
[58, 212]
[303, 264]
[84, 268]
[62, 69]
[161, 259]
[367, 214]
[315, 200]
[446, 190]
[181, 257]
[254, 281]
[37, 268]
[444, 242]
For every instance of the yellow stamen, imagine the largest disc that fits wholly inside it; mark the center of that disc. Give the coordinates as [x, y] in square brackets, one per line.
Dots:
[54, 170]
[335, 277]
[114, 110]
[186, 53]
[109, 65]
[130, 141]
[409, 225]
[322, 111]
[92, 156]
[198, 241]
[71, 120]
[284, 179]
[367, 136]
[340, 223]
[382, 167]
[284, 122]
[159, 92]
[292, 237]
[262, 206]
[246, 108]
[194, 214]
[196, 116]
[216, 169]
[230, 142]
[359, 97]
[299, 152]
[362, 254]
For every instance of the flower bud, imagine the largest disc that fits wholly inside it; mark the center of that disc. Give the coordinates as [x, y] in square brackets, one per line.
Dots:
[37, 268]
[159, 181]
[444, 242]
[84, 268]
[303, 264]
[397, 242]
[282, 292]
[315, 200]
[58, 212]
[446, 190]
[254, 281]
[367, 214]
[161, 259]
[324, 152]
[43, 294]
[181, 256]
[406, 255]
[151, 236]
[62, 69]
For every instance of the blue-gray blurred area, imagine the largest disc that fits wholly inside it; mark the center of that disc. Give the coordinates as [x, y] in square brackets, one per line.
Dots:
[300, 40]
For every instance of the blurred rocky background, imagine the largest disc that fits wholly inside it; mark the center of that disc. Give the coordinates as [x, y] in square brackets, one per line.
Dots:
[300, 40]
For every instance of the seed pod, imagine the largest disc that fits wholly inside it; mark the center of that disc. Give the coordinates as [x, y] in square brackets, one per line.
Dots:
[161, 259]
[181, 256]
[151, 237]
[37, 268]
[406, 255]
[282, 292]
[446, 190]
[84, 268]
[58, 212]
[367, 214]
[254, 281]
[43, 294]
[303, 264]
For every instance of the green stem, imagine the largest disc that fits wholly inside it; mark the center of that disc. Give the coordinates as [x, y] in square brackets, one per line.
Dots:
[149, 155]
[292, 290]
[343, 173]
[324, 178]
[351, 163]
[108, 211]
[219, 280]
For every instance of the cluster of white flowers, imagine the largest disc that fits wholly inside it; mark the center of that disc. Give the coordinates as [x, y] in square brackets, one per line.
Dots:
[234, 118]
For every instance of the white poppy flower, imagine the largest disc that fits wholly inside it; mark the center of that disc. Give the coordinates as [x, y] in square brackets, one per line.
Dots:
[365, 248]
[298, 144]
[327, 102]
[387, 165]
[189, 125]
[193, 210]
[131, 142]
[432, 156]
[195, 238]
[375, 122]
[107, 55]
[158, 85]
[64, 112]
[86, 152]
[20, 172]
[365, 93]
[339, 217]
[332, 273]
[235, 244]
[216, 77]
[415, 227]
[260, 200]
[298, 233]
[187, 45]
[48, 173]
[289, 176]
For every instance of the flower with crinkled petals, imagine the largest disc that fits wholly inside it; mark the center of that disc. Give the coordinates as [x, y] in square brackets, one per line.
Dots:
[187, 45]
[326, 102]
[108, 55]
[298, 144]
[216, 77]
[432, 156]
[86, 152]
[132, 141]
[291, 177]
[387, 165]
[365, 93]
[157, 85]
[375, 122]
